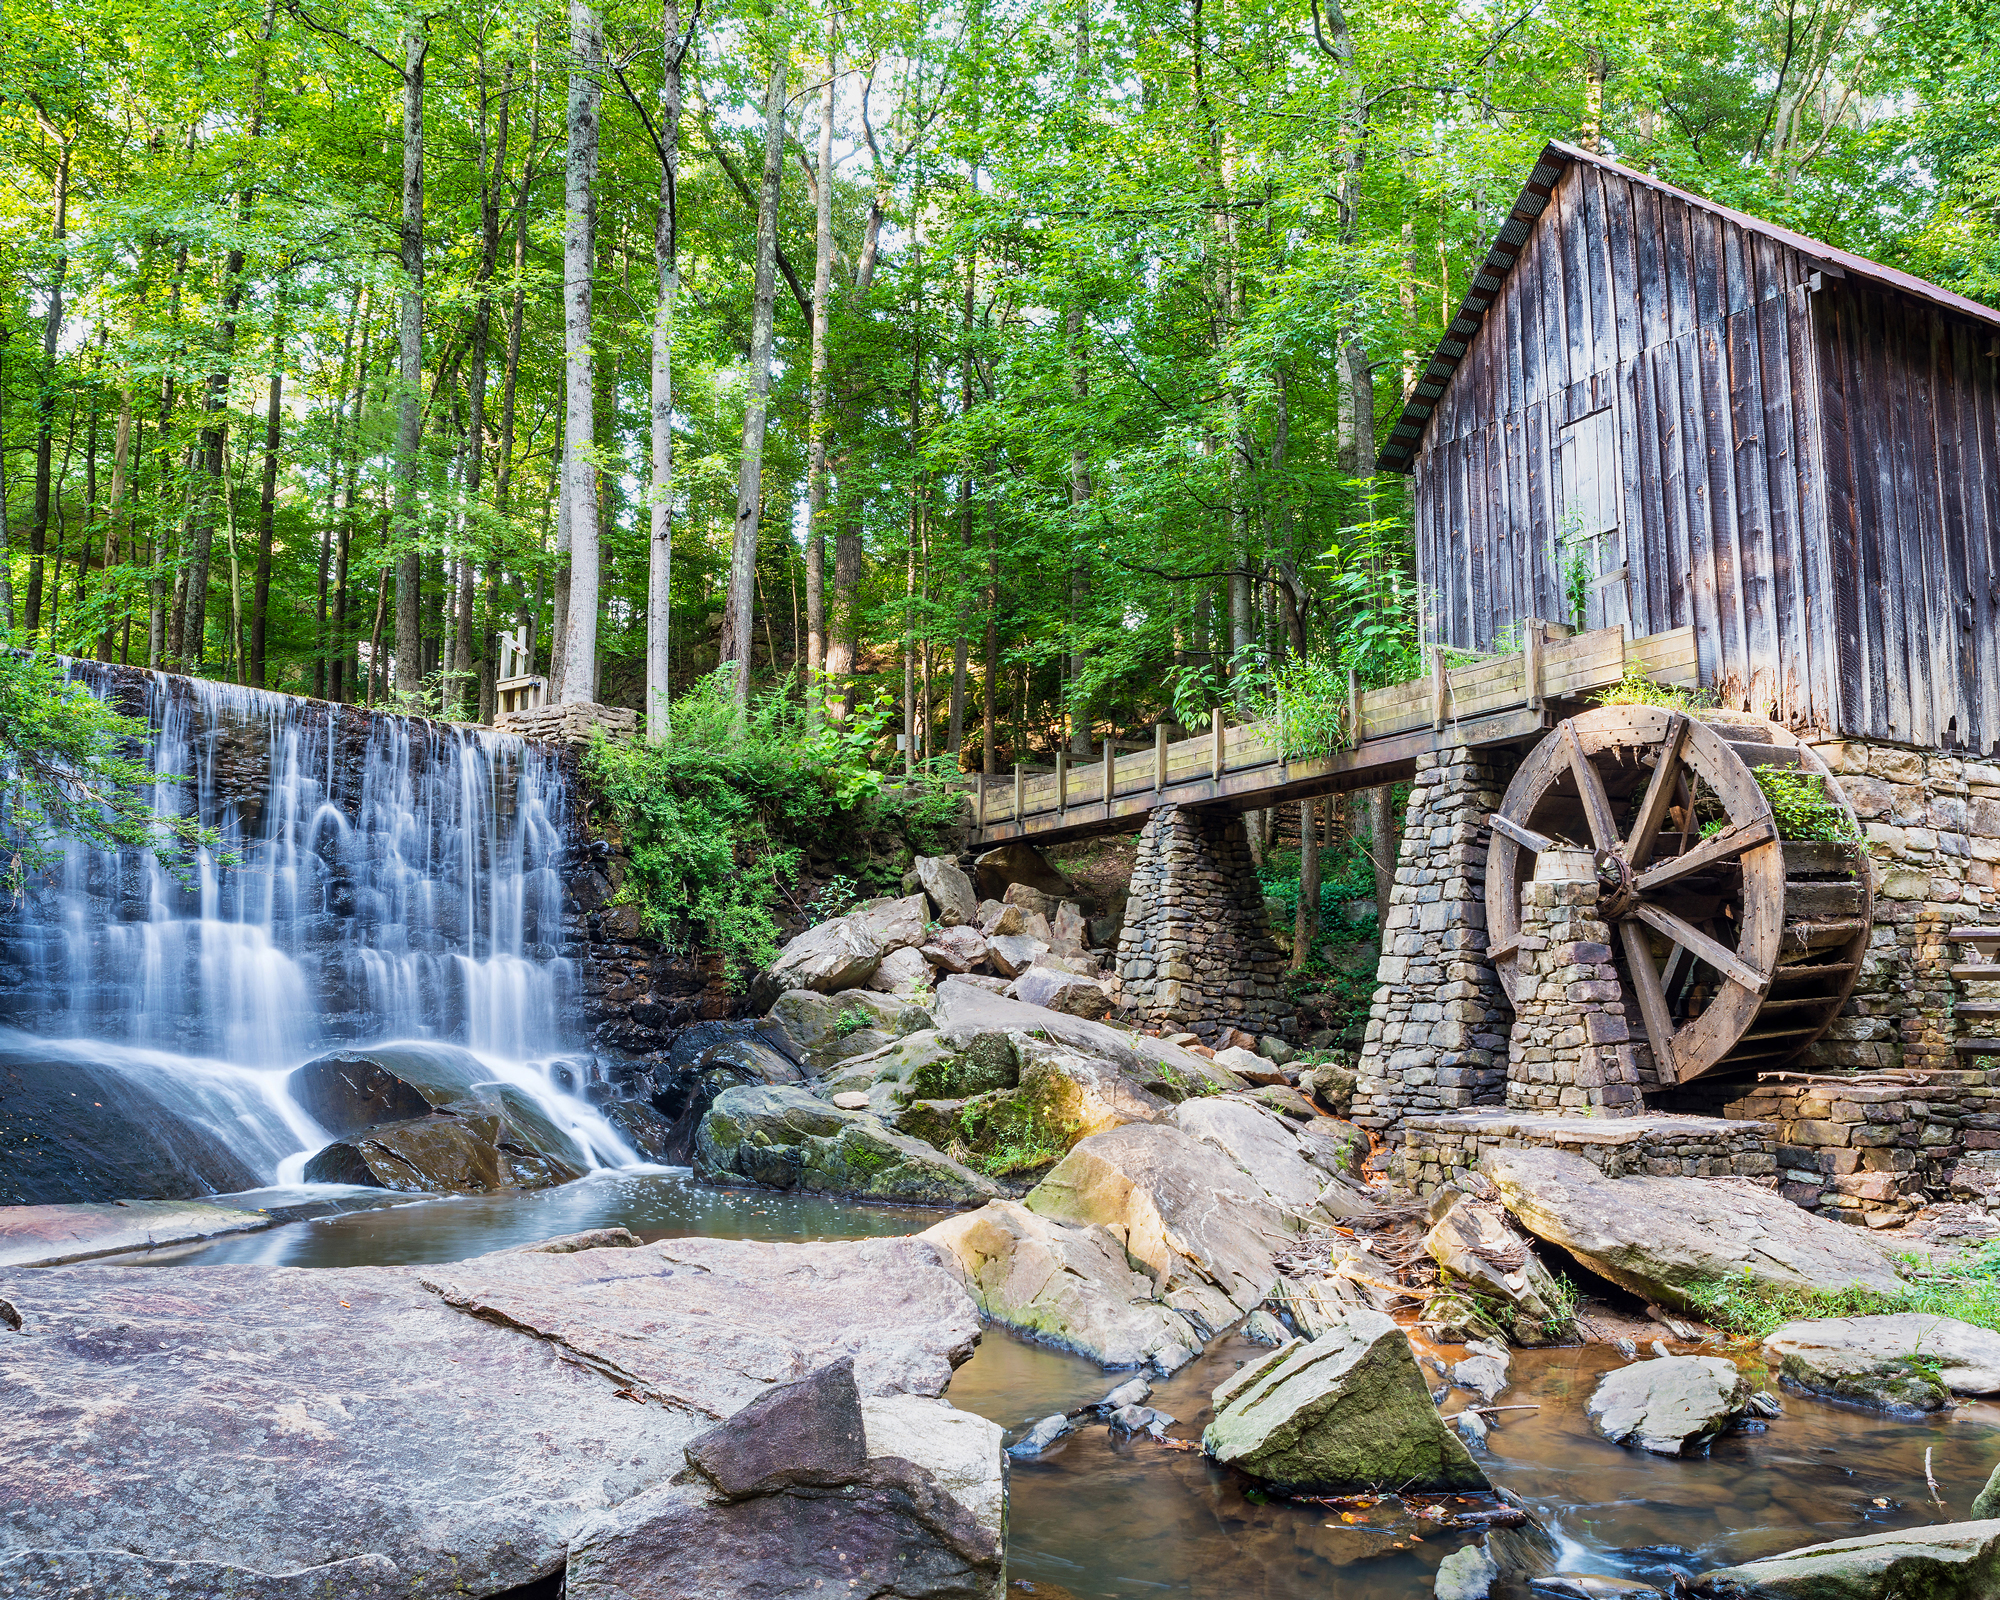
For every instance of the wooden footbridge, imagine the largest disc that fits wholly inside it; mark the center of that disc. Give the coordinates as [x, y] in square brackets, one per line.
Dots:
[1497, 700]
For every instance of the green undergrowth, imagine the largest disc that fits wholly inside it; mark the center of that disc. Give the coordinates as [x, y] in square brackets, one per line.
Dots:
[1801, 805]
[717, 821]
[1967, 1290]
[1634, 690]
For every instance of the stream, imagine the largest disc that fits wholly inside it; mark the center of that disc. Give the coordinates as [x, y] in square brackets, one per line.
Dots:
[1104, 1517]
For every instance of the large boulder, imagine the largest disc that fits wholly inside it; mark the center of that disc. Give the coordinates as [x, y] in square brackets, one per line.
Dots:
[903, 971]
[1659, 1236]
[1268, 1152]
[822, 1030]
[1068, 992]
[1948, 1561]
[348, 1433]
[788, 1138]
[1473, 1245]
[1017, 862]
[1204, 1233]
[1067, 1286]
[957, 949]
[54, 1235]
[1350, 1410]
[1907, 1361]
[1014, 953]
[441, 1154]
[894, 922]
[76, 1129]
[950, 890]
[1673, 1406]
[964, 1010]
[839, 954]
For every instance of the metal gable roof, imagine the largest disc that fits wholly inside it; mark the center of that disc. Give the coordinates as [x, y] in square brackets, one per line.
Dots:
[1399, 450]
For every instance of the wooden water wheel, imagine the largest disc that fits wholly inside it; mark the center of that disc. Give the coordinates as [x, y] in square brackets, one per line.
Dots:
[1736, 948]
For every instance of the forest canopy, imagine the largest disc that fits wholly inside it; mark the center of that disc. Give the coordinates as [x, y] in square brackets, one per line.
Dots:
[1022, 362]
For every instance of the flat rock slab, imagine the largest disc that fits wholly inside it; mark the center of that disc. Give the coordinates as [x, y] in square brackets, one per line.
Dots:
[1671, 1407]
[1951, 1561]
[1658, 1236]
[49, 1236]
[1901, 1361]
[283, 1434]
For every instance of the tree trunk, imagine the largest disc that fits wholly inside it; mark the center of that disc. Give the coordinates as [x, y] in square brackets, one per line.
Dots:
[492, 163]
[667, 266]
[45, 407]
[410, 372]
[817, 416]
[267, 506]
[121, 466]
[579, 642]
[737, 618]
[6, 532]
[1382, 849]
[1305, 928]
[1079, 577]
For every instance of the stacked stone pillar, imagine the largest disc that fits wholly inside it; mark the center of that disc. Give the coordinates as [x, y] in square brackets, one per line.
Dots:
[1196, 951]
[1437, 1030]
[1570, 1049]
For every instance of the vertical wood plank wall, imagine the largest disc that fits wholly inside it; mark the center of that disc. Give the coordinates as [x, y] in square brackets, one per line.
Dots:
[1912, 409]
[1699, 335]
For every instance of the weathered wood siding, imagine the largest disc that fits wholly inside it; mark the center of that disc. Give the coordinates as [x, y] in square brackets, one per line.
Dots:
[1650, 351]
[1911, 409]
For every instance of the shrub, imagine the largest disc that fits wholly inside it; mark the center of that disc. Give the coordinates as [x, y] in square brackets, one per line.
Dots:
[1967, 1289]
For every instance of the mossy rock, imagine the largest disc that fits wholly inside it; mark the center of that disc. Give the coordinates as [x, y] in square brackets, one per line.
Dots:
[988, 1063]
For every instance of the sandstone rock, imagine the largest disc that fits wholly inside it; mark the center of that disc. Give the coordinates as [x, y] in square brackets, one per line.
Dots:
[1034, 902]
[825, 1030]
[1205, 1234]
[347, 1433]
[1332, 1085]
[956, 949]
[894, 923]
[1025, 1125]
[1067, 992]
[1286, 1101]
[997, 918]
[950, 890]
[1907, 1361]
[1128, 1393]
[1040, 1436]
[440, 1154]
[1347, 1411]
[1013, 953]
[1070, 1286]
[1474, 1245]
[1986, 1504]
[1656, 1236]
[1017, 862]
[849, 1100]
[1948, 1561]
[1268, 1152]
[902, 972]
[1037, 927]
[787, 1138]
[1671, 1407]
[809, 1509]
[1263, 1328]
[959, 1449]
[1334, 1146]
[1272, 1048]
[836, 955]
[53, 1235]
[1250, 1066]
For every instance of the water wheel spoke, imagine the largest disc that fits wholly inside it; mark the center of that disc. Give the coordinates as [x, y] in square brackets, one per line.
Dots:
[1659, 793]
[1719, 956]
[1653, 1010]
[1724, 846]
[1596, 803]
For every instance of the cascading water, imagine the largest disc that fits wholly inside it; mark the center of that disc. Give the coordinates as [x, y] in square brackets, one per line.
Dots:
[395, 879]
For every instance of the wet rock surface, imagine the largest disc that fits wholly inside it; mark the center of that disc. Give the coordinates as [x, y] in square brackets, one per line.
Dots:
[1951, 1561]
[1347, 1411]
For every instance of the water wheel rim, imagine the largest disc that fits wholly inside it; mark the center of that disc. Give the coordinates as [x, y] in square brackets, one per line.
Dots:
[1683, 745]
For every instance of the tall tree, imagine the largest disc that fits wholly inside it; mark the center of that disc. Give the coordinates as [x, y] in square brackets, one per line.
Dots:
[818, 417]
[408, 535]
[580, 504]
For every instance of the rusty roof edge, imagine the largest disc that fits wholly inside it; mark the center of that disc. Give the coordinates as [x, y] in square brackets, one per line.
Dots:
[1399, 451]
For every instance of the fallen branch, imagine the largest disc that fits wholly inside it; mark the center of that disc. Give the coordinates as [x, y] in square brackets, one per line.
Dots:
[1487, 1411]
[1937, 1499]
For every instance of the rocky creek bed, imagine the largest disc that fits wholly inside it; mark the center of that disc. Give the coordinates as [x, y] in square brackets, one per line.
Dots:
[1105, 1514]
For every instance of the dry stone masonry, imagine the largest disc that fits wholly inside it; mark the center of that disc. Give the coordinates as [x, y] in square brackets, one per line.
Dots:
[1570, 1049]
[1437, 1031]
[1438, 1149]
[1196, 949]
[571, 722]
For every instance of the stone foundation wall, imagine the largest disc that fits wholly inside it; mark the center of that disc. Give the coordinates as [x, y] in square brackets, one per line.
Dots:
[1435, 1149]
[1866, 1145]
[1437, 1029]
[1570, 1049]
[1196, 950]
[570, 723]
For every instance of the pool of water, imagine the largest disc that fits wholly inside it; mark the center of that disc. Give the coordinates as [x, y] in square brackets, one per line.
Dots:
[655, 1203]
[1108, 1517]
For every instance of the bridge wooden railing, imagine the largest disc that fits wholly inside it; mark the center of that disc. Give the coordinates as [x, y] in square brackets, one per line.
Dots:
[1490, 701]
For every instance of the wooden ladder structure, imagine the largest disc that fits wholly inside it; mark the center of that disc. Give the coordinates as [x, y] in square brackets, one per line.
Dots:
[1982, 1012]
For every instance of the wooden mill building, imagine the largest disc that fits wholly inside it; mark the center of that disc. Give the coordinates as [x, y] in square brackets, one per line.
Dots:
[1738, 428]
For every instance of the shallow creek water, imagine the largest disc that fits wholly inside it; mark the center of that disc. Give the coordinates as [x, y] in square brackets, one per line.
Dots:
[1104, 1517]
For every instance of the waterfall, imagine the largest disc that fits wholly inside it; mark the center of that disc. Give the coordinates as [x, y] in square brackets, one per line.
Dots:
[393, 879]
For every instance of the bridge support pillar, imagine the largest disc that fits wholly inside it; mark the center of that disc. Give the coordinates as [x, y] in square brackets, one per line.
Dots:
[1438, 1027]
[1196, 951]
